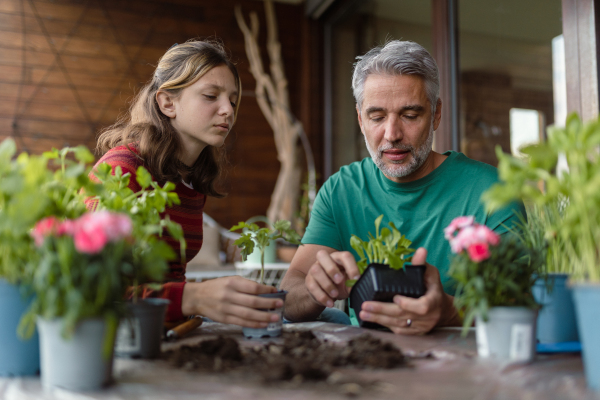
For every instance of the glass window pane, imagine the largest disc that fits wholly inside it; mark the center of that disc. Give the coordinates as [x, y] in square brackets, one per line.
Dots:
[506, 62]
[371, 24]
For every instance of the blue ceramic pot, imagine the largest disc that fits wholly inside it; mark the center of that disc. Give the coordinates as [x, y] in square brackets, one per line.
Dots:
[587, 299]
[556, 320]
[17, 356]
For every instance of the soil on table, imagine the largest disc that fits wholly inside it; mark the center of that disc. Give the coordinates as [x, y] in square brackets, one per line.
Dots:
[302, 357]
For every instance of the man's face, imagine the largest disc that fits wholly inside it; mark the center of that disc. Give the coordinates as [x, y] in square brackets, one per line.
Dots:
[397, 123]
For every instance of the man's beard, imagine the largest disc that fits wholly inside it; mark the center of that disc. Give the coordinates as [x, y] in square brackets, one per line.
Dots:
[400, 169]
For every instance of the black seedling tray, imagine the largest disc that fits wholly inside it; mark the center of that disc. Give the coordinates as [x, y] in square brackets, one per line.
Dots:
[381, 283]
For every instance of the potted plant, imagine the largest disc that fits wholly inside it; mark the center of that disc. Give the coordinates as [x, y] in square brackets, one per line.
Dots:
[31, 188]
[579, 227]
[494, 279]
[260, 238]
[383, 270]
[79, 291]
[556, 322]
[140, 331]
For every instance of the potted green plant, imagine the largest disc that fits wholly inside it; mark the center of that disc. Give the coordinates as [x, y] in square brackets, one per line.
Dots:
[140, 332]
[494, 279]
[383, 270]
[79, 292]
[31, 188]
[556, 322]
[260, 238]
[579, 227]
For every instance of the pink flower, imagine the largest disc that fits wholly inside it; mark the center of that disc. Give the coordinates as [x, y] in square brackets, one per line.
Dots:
[93, 230]
[45, 227]
[473, 234]
[457, 223]
[90, 240]
[478, 252]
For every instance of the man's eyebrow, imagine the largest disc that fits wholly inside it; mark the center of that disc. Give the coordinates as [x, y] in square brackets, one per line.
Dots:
[410, 107]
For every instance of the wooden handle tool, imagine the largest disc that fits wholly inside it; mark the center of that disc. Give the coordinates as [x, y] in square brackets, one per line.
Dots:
[180, 331]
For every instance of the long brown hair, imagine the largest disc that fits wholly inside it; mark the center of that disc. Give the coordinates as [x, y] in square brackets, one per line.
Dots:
[151, 131]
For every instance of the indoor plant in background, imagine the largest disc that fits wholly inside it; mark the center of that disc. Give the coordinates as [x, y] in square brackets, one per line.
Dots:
[556, 324]
[383, 270]
[579, 226]
[79, 292]
[31, 188]
[260, 238]
[140, 332]
[494, 277]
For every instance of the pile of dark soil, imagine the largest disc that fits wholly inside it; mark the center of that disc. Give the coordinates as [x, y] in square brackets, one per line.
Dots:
[301, 357]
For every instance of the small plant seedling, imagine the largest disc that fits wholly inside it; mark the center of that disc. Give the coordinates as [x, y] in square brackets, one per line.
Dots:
[388, 246]
[255, 236]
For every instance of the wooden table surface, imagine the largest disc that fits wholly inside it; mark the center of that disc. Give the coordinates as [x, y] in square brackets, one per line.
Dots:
[443, 365]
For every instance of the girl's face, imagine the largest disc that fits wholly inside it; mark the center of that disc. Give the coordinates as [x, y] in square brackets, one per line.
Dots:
[204, 111]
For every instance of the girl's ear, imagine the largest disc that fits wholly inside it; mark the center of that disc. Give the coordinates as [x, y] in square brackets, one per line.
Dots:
[166, 103]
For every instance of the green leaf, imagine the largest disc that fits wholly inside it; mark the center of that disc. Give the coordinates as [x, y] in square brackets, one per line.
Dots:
[143, 177]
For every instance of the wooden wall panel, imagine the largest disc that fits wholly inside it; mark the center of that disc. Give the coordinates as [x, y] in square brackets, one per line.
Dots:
[70, 67]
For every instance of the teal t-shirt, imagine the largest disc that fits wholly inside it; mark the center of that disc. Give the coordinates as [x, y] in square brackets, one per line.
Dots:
[351, 200]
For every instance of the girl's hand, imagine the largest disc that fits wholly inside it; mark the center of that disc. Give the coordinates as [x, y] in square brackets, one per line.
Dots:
[230, 300]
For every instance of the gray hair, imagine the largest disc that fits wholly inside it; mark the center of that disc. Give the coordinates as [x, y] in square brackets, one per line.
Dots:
[397, 58]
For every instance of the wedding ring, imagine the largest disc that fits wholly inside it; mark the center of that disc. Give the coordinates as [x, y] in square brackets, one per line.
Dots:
[408, 323]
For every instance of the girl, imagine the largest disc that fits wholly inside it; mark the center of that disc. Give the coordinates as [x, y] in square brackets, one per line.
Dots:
[175, 128]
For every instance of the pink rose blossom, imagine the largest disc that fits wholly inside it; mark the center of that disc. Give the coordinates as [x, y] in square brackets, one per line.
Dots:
[90, 241]
[44, 227]
[90, 232]
[479, 252]
[474, 234]
[457, 223]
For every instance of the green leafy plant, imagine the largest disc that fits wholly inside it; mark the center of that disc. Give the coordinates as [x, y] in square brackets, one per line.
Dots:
[31, 188]
[255, 236]
[388, 246]
[145, 208]
[489, 270]
[539, 233]
[535, 180]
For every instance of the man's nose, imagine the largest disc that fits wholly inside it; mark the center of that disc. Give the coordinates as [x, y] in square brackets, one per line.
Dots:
[393, 130]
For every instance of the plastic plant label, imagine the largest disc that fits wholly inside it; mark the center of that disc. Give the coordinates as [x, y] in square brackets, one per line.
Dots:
[483, 348]
[520, 342]
[129, 336]
[276, 326]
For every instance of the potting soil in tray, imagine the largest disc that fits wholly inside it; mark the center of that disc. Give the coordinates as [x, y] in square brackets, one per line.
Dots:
[301, 357]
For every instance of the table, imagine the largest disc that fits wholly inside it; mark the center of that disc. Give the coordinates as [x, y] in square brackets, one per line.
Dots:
[444, 366]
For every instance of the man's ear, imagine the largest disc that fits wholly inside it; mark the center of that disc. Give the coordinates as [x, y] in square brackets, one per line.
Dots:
[359, 119]
[166, 103]
[438, 115]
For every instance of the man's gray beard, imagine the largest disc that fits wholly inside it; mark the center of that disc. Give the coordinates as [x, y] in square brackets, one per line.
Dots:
[398, 169]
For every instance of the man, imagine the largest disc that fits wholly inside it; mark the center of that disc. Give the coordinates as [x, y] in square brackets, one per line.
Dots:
[396, 88]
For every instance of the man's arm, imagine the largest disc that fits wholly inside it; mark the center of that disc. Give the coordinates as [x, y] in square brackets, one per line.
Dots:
[316, 278]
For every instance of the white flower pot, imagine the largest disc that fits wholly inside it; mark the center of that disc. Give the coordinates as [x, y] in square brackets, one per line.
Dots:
[509, 335]
[77, 363]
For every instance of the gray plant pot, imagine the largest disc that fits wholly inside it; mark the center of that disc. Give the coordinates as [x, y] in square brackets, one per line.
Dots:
[274, 328]
[76, 363]
[508, 335]
[140, 332]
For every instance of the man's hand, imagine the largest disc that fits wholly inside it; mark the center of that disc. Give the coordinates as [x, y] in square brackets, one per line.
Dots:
[326, 278]
[231, 300]
[415, 316]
